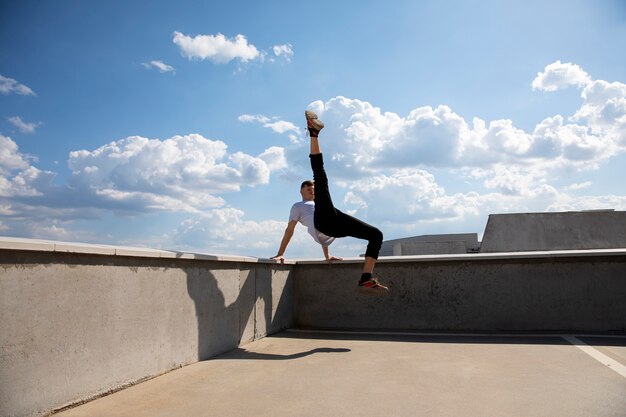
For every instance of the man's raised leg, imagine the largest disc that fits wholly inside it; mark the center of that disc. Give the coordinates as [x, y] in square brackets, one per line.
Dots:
[361, 230]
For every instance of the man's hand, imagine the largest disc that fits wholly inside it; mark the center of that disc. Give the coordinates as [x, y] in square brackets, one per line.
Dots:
[330, 259]
[279, 258]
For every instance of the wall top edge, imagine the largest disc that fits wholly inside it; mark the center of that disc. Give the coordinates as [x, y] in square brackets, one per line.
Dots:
[40, 245]
[480, 256]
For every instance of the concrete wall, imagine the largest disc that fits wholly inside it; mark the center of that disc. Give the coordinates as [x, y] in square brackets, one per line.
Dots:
[426, 248]
[431, 244]
[555, 231]
[73, 326]
[77, 321]
[550, 291]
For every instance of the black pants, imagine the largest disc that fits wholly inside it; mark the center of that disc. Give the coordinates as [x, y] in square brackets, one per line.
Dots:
[333, 222]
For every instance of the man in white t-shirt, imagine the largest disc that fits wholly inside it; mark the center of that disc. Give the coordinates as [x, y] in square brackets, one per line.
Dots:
[323, 221]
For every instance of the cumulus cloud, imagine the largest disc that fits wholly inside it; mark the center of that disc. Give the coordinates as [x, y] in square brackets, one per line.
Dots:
[604, 111]
[274, 157]
[10, 86]
[401, 195]
[217, 48]
[160, 65]
[226, 230]
[383, 168]
[182, 173]
[134, 175]
[221, 50]
[560, 75]
[368, 139]
[382, 161]
[18, 178]
[10, 157]
[23, 126]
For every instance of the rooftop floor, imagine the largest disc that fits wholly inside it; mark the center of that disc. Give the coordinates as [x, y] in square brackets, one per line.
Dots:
[298, 373]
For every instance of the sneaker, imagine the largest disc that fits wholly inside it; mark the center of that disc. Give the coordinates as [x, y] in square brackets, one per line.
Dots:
[313, 124]
[372, 284]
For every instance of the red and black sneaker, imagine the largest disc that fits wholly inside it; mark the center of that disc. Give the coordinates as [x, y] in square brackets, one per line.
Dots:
[372, 284]
[313, 124]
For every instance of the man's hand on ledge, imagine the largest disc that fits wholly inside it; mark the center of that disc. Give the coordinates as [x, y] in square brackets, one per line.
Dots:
[279, 258]
[333, 258]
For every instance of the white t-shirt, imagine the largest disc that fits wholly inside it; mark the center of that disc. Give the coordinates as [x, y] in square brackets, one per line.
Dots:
[303, 212]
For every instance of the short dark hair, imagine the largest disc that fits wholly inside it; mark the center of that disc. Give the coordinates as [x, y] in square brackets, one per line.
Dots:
[306, 183]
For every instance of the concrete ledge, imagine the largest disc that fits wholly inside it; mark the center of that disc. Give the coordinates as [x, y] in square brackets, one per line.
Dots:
[78, 321]
[39, 245]
[597, 229]
[476, 256]
[529, 291]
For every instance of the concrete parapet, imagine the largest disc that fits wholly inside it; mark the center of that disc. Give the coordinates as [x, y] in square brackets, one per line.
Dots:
[425, 248]
[431, 245]
[77, 321]
[531, 291]
[555, 231]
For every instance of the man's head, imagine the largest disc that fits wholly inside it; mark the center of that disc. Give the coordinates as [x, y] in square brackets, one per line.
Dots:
[307, 190]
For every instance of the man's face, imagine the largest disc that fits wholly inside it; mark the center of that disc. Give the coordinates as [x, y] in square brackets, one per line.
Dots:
[308, 192]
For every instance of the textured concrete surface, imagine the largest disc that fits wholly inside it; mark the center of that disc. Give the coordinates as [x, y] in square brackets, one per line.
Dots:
[431, 244]
[295, 374]
[74, 325]
[585, 293]
[554, 231]
[80, 320]
[425, 248]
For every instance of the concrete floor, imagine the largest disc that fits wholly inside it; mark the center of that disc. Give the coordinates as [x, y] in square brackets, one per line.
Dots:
[358, 374]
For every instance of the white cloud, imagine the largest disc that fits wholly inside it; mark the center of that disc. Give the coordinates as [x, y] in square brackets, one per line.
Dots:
[571, 203]
[579, 186]
[274, 157]
[226, 230]
[604, 111]
[130, 176]
[10, 157]
[248, 118]
[9, 85]
[23, 126]
[402, 195]
[182, 173]
[366, 139]
[295, 134]
[17, 177]
[380, 160]
[560, 75]
[216, 48]
[160, 65]
[282, 126]
[382, 167]
[285, 51]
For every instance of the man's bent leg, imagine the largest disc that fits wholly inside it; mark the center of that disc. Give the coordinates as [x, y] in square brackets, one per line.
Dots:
[351, 226]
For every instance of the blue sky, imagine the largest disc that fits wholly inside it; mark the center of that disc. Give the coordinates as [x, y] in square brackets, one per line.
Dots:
[179, 125]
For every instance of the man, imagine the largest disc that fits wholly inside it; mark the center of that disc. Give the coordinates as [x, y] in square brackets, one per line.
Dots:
[323, 221]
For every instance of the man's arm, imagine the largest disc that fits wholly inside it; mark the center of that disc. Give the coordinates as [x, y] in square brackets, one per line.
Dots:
[291, 226]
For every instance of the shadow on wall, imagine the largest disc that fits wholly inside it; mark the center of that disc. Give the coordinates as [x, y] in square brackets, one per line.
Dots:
[236, 306]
